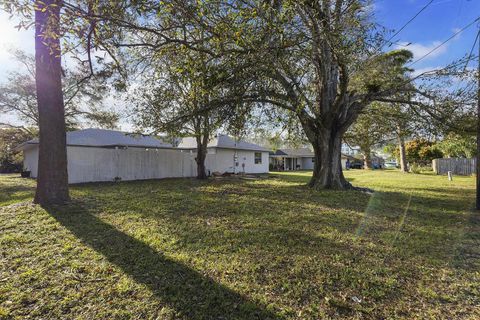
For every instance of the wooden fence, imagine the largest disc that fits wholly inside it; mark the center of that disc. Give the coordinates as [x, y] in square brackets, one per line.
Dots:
[460, 166]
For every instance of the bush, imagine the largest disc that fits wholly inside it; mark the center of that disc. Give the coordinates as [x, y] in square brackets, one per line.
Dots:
[415, 168]
[10, 160]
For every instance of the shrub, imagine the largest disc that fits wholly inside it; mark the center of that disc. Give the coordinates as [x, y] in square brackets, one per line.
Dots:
[415, 168]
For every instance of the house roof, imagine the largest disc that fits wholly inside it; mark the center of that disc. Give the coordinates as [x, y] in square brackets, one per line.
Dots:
[221, 141]
[277, 153]
[301, 152]
[107, 138]
[298, 153]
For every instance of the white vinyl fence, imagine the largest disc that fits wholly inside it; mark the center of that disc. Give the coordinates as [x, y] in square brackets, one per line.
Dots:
[87, 164]
[98, 164]
[459, 166]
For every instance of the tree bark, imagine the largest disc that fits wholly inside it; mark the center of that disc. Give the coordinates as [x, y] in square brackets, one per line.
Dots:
[52, 180]
[327, 170]
[367, 159]
[403, 154]
[202, 143]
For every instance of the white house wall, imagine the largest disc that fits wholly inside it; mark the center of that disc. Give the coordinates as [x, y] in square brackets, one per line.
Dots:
[222, 160]
[30, 160]
[307, 163]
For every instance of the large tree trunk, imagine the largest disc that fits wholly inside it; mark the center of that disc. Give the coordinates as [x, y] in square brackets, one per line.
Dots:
[202, 143]
[327, 170]
[52, 180]
[403, 154]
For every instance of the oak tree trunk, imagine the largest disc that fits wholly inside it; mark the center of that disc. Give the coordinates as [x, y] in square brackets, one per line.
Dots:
[52, 180]
[403, 154]
[202, 143]
[327, 170]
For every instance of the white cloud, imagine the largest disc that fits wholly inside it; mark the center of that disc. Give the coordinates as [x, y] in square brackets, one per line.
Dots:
[421, 71]
[419, 50]
[457, 30]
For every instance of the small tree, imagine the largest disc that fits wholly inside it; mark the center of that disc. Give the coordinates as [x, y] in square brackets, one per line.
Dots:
[421, 151]
[186, 94]
[368, 131]
[11, 160]
[83, 98]
[458, 146]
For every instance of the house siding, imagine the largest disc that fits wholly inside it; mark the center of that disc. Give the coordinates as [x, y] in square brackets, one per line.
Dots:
[30, 160]
[307, 163]
[223, 160]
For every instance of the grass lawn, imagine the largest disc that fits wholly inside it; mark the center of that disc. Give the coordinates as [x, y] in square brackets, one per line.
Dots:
[243, 249]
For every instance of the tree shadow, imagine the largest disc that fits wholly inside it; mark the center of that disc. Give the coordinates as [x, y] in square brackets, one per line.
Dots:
[190, 293]
[11, 193]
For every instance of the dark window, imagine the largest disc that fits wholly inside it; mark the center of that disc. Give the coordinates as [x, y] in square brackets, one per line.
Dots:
[313, 159]
[258, 157]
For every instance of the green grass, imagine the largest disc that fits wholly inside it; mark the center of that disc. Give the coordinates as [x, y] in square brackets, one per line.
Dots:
[265, 248]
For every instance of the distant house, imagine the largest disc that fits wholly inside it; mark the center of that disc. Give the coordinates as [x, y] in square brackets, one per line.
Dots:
[297, 159]
[226, 154]
[350, 151]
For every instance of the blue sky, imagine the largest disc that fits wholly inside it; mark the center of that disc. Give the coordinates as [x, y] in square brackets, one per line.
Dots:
[434, 25]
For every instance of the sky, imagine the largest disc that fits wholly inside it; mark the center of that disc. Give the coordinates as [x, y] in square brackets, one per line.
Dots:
[439, 21]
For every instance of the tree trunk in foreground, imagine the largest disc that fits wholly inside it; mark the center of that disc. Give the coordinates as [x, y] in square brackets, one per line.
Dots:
[202, 143]
[403, 154]
[327, 170]
[52, 179]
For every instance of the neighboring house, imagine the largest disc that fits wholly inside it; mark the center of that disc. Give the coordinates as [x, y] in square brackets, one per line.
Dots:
[297, 159]
[350, 151]
[107, 155]
[226, 154]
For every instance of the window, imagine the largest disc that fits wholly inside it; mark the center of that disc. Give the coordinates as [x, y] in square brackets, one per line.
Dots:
[258, 157]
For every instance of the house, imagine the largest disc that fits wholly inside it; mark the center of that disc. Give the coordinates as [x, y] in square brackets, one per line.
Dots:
[225, 154]
[350, 151]
[108, 155]
[297, 159]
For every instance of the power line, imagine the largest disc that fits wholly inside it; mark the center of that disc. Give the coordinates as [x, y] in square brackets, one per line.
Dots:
[444, 42]
[471, 50]
[408, 22]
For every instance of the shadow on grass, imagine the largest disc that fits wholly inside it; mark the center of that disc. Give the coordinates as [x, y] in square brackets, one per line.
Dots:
[296, 176]
[10, 193]
[190, 293]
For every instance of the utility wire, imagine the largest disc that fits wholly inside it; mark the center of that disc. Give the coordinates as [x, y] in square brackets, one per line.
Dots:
[471, 51]
[444, 42]
[409, 21]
